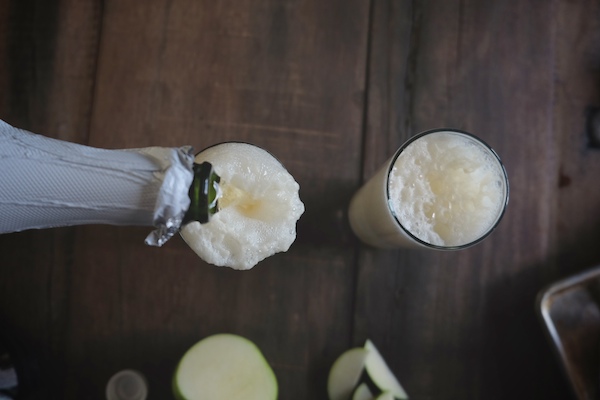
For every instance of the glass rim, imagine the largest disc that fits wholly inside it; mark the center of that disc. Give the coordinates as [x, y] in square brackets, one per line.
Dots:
[485, 146]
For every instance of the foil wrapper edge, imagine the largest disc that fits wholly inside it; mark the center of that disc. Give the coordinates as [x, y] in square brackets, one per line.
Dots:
[173, 199]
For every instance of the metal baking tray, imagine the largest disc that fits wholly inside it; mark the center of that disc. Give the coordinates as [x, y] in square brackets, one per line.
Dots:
[570, 313]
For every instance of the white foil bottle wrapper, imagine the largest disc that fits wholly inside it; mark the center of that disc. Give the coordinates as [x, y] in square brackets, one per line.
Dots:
[47, 183]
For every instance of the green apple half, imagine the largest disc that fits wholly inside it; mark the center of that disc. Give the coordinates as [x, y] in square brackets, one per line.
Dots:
[362, 374]
[224, 367]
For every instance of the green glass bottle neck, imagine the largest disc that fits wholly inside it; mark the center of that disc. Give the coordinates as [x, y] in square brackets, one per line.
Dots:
[203, 194]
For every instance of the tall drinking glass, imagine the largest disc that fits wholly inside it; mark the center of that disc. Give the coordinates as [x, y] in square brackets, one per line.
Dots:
[443, 189]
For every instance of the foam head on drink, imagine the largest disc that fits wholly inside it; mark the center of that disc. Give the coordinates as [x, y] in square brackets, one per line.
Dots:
[443, 189]
[258, 207]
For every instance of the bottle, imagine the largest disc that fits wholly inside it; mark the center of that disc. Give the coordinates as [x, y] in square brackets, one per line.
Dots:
[48, 183]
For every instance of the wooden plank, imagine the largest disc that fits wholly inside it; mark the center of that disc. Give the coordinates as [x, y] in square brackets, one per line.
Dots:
[288, 76]
[47, 71]
[462, 324]
[577, 103]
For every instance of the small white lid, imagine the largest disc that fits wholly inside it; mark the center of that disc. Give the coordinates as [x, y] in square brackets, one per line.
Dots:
[127, 385]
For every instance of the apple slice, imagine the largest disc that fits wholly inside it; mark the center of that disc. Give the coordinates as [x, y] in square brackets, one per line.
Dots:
[385, 396]
[362, 392]
[362, 374]
[380, 374]
[224, 367]
[345, 373]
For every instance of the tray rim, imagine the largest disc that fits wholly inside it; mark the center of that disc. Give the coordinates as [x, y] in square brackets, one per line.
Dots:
[543, 307]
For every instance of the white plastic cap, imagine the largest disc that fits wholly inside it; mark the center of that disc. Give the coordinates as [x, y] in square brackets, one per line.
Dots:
[127, 385]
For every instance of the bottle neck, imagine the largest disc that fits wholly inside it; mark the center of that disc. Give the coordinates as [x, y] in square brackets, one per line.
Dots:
[49, 183]
[204, 194]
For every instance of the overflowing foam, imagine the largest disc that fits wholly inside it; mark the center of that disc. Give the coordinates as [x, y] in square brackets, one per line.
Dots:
[447, 189]
[258, 209]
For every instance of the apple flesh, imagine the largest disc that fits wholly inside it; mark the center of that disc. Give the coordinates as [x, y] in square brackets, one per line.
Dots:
[362, 374]
[224, 367]
[345, 373]
[362, 392]
[385, 396]
[381, 375]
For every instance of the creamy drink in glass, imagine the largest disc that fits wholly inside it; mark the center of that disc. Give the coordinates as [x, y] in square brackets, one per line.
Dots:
[254, 206]
[443, 189]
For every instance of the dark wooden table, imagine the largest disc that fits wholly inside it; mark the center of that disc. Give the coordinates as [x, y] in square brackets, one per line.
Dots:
[331, 87]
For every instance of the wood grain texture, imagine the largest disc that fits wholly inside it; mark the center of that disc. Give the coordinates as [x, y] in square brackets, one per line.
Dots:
[331, 88]
[48, 54]
[185, 72]
[463, 325]
[577, 102]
